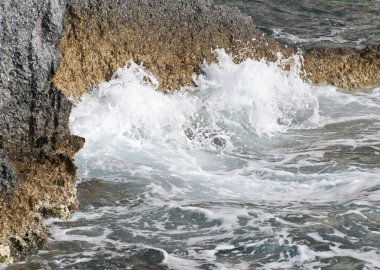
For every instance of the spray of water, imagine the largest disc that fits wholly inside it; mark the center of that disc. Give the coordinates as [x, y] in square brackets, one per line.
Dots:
[232, 105]
[252, 161]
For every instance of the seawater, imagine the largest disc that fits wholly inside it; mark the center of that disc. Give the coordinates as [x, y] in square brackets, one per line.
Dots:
[311, 23]
[252, 169]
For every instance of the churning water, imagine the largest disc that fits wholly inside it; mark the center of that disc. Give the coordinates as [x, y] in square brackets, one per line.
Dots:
[252, 169]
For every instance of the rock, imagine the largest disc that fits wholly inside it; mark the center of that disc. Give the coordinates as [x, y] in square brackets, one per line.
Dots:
[31, 109]
[8, 178]
[347, 68]
[172, 37]
[34, 133]
[169, 37]
[5, 255]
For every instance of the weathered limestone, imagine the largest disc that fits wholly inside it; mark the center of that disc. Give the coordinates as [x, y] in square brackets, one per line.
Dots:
[5, 255]
[169, 37]
[345, 68]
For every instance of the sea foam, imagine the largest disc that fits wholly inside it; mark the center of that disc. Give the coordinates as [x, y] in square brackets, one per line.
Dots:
[252, 98]
[251, 162]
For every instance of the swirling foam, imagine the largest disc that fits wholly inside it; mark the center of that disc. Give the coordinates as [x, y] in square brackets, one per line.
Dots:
[252, 162]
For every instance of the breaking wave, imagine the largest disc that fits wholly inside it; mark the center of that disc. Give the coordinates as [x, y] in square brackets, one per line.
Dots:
[251, 168]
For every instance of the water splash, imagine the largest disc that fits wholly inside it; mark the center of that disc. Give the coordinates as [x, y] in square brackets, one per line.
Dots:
[253, 98]
[252, 168]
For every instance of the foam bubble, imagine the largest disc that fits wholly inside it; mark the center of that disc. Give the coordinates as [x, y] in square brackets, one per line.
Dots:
[253, 163]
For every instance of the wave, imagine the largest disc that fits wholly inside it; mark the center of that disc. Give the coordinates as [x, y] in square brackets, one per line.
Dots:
[241, 132]
[252, 162]
[231, 102]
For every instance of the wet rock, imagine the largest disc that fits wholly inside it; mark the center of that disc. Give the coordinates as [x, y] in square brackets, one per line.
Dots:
[153, 256]
[172, 37]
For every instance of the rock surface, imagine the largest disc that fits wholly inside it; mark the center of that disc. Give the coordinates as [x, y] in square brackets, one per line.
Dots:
[5, 254]
[169, 37]
[345, 68]
[8, 178]
[34, 134]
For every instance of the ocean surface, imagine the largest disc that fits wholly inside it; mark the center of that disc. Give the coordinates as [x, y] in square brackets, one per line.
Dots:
[252, 169]
[308, 23]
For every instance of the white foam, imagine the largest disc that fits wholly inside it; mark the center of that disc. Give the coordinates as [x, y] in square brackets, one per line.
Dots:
[248, 133]
[254, 95]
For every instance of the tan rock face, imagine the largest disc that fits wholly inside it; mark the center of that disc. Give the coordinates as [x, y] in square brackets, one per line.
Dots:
[169, 37]
[47, 189]
[172, 37]
[345, 67]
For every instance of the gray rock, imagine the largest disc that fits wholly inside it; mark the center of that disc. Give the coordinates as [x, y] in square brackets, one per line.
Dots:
[32, 112]
[34, 117]
[8, 178]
